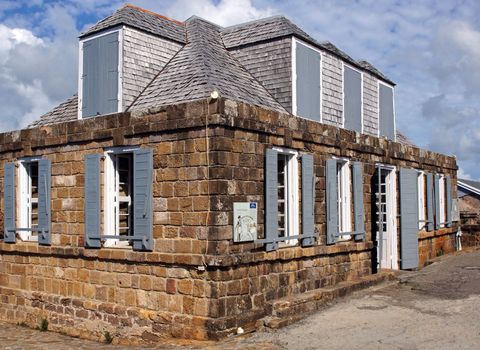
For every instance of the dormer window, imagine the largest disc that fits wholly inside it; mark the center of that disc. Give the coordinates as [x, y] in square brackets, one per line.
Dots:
[352, 99]
[100, 81]
[386, 111]
[306, 80]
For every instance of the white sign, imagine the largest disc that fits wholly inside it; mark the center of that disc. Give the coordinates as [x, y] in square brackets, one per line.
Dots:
[244, 222]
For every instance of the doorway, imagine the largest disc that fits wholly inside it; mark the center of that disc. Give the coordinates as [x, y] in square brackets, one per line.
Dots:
[385, 215]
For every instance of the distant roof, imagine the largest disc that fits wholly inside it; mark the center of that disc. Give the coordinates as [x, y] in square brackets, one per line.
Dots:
[200, 67]
[469, 185]
[280, 26]
[142, 19]
[204, 63]
[401, 138]
[66, 111]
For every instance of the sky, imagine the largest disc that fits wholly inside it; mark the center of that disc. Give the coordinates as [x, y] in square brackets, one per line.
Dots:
[430, 48]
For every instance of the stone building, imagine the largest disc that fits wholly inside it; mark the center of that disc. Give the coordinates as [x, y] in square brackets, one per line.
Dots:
[469, 207]
[203, 173]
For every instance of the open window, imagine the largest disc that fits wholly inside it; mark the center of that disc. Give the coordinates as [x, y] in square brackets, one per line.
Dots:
[422, 203]
[119, 204]
[287, 179]
[127, 199]
[28, 199]
[344, 198]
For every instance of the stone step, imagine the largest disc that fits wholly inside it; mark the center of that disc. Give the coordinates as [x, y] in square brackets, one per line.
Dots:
[290, 309]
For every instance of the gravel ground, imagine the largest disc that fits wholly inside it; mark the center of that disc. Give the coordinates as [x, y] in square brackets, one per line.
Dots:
[437, 307]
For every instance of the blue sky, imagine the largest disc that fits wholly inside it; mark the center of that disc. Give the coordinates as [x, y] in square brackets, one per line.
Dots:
[430, 48]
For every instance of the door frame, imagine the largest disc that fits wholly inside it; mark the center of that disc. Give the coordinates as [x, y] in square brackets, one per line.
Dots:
[391, 244]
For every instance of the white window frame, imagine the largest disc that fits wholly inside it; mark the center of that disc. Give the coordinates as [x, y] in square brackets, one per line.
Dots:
[379, 82]
[110, 193]
[344, 197]
[24, 201]
[421, 200]
[120, 68]
[294, 76]
[291, 191]
[361, 95]
[442, 201]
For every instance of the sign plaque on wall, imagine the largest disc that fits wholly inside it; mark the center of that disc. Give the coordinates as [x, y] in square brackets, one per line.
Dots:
[244, 221]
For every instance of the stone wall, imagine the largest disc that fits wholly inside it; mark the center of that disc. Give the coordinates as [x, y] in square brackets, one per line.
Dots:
[196, 283]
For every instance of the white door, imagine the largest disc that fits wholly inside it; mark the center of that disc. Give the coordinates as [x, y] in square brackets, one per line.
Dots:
[386, 203]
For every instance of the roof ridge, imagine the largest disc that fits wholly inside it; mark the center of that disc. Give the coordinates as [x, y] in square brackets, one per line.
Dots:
[154, 13]
[259, 20]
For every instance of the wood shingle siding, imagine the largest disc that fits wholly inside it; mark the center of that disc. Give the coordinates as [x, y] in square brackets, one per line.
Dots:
[370, 104]
[270, 63]
[144, 56]
[332, 90]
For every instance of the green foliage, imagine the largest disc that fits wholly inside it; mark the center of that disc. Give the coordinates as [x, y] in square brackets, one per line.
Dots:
[108, 337]
[43, 327]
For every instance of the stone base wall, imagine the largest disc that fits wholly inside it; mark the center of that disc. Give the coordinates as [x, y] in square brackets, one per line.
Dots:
[435, 244]
[137, 302]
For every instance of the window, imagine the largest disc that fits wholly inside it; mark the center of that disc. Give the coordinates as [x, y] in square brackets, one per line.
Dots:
[352, 99]
[422, 205]
[28, 200]
[118, 211]
[100, 74]
[441, 191]
[287, 180]
[344, 197]
[386, 111]
[306, 72]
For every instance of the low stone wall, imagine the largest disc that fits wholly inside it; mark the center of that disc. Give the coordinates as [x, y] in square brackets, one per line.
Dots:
[435, 244]
[470, 229]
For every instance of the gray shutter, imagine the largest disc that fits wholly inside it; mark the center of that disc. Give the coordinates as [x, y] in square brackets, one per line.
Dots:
[436, 190]
[100, 75]
[332, 204]
[387, 117]
[358, 209]
[271, 199]
[92, 201]
[308, 82]
[430, 218]
[108, 61]
[9, 210]
[89, 78]
[352, 98]
[308, 201]
[448, 203]
[44, 199]
[408, 218]
[142, 199]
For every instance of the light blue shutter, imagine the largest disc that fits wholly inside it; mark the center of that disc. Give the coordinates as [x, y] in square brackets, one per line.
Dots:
[90, 78]
[9, 210]
[92, 201]
[436, 190]
[271, 199]
[387, 116]
[308, 201]
[44, 199]
[430, 195]
[100, 75]
[408, 218]
[332, 204]
[108, 61]
[142, 199]
[352, 98]
[308, 82]
[448, 191]
[358, 209]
